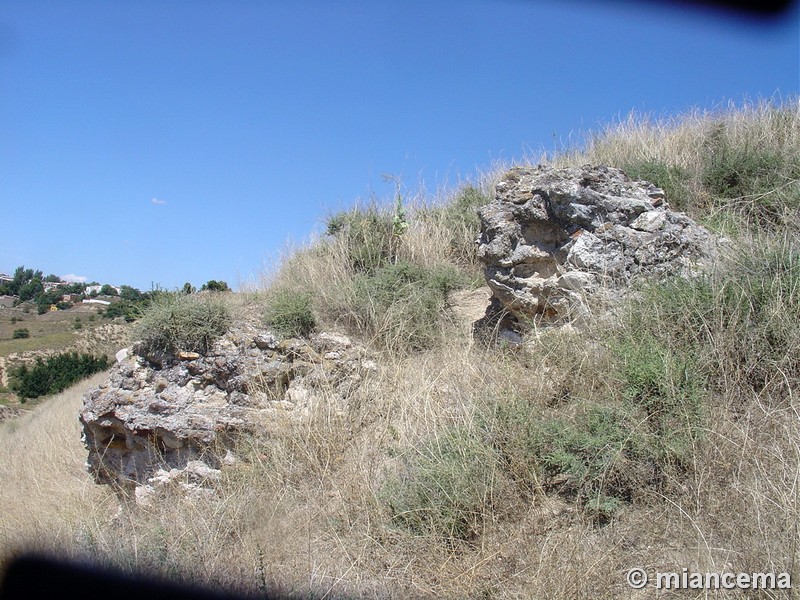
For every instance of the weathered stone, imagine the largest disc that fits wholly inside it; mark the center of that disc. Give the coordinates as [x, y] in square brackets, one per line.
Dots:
[175, 413]
[554, 237]
[265, 341]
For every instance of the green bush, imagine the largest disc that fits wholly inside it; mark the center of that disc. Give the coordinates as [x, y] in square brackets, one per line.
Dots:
[174, 322]
[290, 312]
[213, 285]
[401, 305]
[600, 457]
[759, 309]
[55, 374]
[674, 180]
[20, 334]
[129, 310]
[370, 234]
[446, 489]
[667, 386]
[737, 330]
[753, 170]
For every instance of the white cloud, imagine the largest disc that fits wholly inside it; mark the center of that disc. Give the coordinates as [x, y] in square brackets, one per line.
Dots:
[158, 202]
[74, 278]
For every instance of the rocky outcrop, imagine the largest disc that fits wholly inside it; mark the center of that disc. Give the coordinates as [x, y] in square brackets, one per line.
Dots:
[556, 241]
[176, 417]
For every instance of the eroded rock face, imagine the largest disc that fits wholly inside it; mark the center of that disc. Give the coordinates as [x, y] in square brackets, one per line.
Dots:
[555, 239]
[162, 418]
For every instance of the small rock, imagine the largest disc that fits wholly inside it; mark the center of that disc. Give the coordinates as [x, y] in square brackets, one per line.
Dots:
[265, 341]
[650, 221]
[143, 495]
[160, 384]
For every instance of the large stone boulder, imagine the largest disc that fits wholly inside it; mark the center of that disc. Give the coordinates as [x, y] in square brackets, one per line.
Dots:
[557, 241]
[176, 417]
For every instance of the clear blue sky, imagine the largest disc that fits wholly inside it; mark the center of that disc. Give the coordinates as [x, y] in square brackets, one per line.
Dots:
[170, 141]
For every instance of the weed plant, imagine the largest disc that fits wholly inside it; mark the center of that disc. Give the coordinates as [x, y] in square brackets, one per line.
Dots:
[182, 322]
[445, 489]
[289, 312]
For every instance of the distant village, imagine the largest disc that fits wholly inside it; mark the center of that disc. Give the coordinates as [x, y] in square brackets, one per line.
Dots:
[27, 287]
[52, 294]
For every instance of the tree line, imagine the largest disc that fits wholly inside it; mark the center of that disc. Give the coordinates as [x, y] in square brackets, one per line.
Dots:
[55, 374]
[28, 285]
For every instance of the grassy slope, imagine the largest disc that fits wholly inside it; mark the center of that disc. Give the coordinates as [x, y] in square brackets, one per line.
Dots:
[46, 497]
[668, 441]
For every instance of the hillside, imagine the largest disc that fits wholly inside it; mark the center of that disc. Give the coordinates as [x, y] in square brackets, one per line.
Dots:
[664, 436]
[81, 329]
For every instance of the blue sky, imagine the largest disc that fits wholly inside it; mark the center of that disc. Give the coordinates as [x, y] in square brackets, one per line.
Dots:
[161, 142]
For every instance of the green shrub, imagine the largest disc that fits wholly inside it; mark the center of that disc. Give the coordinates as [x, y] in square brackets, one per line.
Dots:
[215, 286]
[736, 330]
[370, 235]
[674, 180]
[55, 374]
[754, 170]
[174, 322]
[290, 312]
[759, 312]
[600, 457]
[401, 305]
[446, 489]
[129, 310]
[667, 386]
[20, 334]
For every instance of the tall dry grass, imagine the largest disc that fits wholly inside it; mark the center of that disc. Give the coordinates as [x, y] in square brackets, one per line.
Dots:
[47, 500]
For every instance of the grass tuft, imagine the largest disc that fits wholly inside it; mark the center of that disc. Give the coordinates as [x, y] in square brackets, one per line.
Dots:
[177, 322]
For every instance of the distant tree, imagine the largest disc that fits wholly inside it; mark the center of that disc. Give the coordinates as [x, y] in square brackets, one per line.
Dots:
[130, 311]
[188, 288]
[74, 288]
[53, 279]
[30, 290]
[130, 294]
[215, 286]
[107, 290]
[45, 300]
[55, 374]
[22, 277]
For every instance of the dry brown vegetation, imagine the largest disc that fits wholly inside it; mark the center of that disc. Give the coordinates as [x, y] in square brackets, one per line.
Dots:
[668, 439]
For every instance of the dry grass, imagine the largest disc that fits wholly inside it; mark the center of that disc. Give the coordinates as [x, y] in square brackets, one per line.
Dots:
[47, 499]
